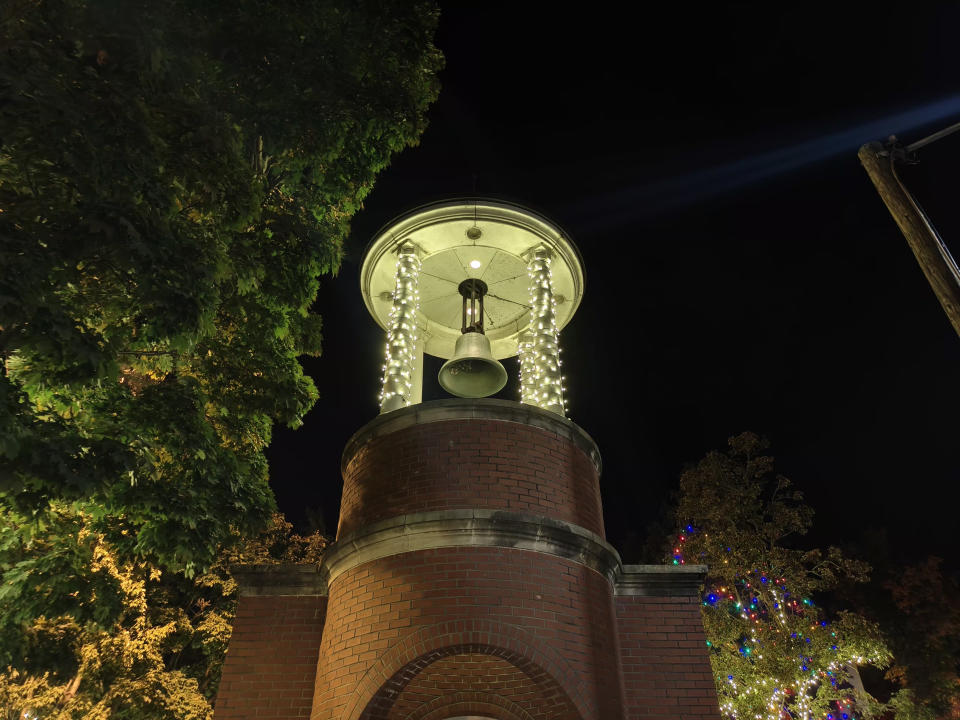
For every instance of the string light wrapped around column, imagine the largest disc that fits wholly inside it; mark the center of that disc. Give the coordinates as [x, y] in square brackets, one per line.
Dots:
[402, 333]
[541, 381]
[527, 369]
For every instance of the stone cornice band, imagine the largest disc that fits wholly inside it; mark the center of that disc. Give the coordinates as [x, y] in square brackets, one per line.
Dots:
[280, 579]
[471, 528]
[660, 580]
[470, 409]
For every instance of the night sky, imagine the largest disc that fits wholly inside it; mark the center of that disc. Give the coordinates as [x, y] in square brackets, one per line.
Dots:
[742, 272]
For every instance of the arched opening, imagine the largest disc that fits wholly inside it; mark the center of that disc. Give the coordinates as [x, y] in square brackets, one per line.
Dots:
[473, 683]
[494, 712]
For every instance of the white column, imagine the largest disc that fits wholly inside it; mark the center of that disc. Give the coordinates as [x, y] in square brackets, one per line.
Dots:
[398, 370]
[541, 381]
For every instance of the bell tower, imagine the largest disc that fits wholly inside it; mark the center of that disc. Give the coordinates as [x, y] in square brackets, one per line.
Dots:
[472, 281]
[470, 577]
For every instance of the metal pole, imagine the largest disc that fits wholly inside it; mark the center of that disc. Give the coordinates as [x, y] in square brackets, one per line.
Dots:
[912, 147]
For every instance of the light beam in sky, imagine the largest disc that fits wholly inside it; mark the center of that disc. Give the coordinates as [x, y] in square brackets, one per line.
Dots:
[653, 198]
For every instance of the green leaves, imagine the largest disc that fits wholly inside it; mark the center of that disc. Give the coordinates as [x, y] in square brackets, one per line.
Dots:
[138, 643]
[174, 178]
[772, 649]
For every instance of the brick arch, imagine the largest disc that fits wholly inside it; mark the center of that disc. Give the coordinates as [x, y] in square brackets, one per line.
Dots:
[506, 687]
[470, 703]
[417, 650]
[458, 685]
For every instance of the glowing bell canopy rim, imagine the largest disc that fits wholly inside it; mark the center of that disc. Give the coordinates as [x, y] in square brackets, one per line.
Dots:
[445, 235]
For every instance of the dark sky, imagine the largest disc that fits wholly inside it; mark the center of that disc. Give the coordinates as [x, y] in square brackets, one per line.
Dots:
[742, 272]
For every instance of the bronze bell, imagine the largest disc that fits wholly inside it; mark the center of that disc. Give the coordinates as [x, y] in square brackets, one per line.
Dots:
[472, 372]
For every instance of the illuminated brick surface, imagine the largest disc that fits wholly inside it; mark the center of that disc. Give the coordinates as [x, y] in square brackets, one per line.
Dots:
[548, 614]
[272, 662]
[664, 662]
[489, 630]
[470, 464]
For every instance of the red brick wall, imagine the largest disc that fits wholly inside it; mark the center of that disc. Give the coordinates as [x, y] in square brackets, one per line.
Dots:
[272, 658]
[389, 620]
[666, 669]
[459, 464]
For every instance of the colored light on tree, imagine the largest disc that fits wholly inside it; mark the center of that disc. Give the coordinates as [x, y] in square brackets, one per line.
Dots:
[774, 652]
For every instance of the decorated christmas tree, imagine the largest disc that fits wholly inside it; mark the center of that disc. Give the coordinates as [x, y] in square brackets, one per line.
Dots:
[775, 652]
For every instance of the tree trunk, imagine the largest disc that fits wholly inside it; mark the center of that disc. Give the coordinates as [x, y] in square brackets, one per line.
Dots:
[860, 694]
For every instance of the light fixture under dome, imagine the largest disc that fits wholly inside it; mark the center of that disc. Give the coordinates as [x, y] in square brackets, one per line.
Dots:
[532, 280]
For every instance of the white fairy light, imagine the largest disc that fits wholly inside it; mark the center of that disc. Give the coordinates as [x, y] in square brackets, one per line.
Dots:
[401, 333]
[540, 381]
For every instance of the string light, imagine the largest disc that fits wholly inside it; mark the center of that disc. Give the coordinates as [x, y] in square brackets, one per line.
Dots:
[756, 609]
[541, 382]
[402, 333]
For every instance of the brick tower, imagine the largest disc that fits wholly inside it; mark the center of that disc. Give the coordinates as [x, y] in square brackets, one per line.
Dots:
[470, 578]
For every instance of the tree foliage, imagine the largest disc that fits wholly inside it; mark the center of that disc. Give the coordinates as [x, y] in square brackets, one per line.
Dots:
[925, 636]
[775, 653]
[161, 655]
[916, 607]
[174, 178]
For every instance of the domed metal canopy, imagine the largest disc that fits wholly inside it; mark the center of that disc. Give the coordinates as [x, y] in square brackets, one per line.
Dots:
[491, 240]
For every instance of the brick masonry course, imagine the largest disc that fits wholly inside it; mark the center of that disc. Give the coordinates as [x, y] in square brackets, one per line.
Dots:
[470, 464]
[471, 577]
